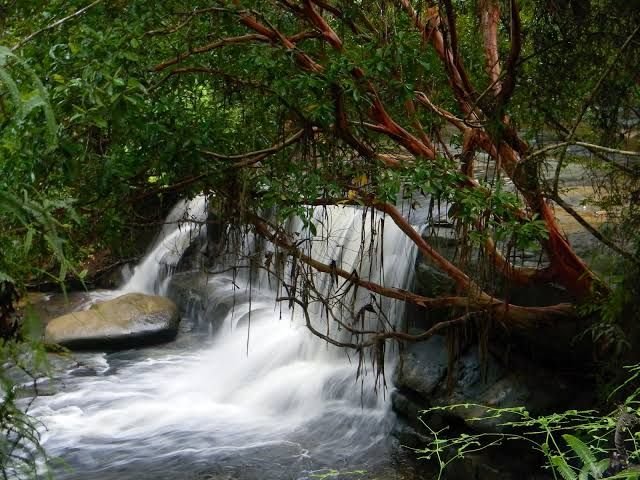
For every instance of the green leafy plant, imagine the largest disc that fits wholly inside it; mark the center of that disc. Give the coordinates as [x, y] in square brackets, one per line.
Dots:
[24, 364]
[28, 218]
[25, 102]
[577, 445]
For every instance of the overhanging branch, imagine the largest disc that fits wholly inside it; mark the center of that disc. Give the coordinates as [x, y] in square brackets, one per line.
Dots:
[476, 301]
[250, 158]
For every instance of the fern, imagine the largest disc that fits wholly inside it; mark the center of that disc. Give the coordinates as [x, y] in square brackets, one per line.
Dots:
[601, 467]
[13, 89]
[584, 453]
[563, 468]
[39, 99]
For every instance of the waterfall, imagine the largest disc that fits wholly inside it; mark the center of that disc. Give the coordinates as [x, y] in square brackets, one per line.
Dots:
[183, 224]
[260, 398]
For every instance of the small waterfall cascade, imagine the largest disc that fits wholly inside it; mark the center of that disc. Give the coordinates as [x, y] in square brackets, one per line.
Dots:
[355, 240]
[259, 398]
[184, 223]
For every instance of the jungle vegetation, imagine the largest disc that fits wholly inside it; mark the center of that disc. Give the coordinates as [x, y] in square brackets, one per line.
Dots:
[111, 110]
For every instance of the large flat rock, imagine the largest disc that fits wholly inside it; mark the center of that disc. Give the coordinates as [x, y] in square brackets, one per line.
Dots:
[131, 320]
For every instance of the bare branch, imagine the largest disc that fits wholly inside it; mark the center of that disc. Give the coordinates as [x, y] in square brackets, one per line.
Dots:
[373, 338]
[590, 146]
[30, 37]
[593, 231]
[509, 81]
[171, 30]
[211, 71]
[250, 158]
[490, 19]
[587, 103]
[321, 24]
[211, 46]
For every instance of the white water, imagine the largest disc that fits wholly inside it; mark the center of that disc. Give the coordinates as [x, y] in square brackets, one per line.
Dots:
[183, 224]
[283, 405]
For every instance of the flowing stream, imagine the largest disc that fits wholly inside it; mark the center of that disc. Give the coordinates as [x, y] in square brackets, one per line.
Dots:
[258, 397]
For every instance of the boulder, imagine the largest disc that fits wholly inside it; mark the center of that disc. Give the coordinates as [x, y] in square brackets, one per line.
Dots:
[423, 380]
[422, 366]
[131, 320]
[204, 299]
[190, 292]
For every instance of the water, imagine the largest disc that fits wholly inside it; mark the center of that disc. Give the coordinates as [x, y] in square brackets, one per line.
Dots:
[267, 402]
[183, 224]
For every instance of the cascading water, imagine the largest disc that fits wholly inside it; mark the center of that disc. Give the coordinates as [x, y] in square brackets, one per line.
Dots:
[183, 224]
[262, 398]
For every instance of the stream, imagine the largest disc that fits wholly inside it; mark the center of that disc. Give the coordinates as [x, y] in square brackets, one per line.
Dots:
[258, 397]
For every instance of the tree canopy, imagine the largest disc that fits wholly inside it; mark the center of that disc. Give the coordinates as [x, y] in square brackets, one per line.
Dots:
[111, 107]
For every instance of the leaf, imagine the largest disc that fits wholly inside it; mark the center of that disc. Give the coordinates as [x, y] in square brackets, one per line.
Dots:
[28, 240]
[32, 326]
[563, 468]
[15, 92]
[48, 111]
[12, 87]
[6, 278]
[601, 465]
[34, 102]
[584, 453]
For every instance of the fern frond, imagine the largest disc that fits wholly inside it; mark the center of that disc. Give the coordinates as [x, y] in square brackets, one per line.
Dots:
[42, 98]
[586, 474]
[563, 468]
[584, 453]
[14, 91]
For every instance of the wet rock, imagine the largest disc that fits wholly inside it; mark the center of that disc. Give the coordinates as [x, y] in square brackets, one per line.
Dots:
[496, 464]
[423, 381]
[189, 290]
[411, 408]
[409, 436]
[431, 281]
[206, 300]
[128, 321]
[423, 366]
[46, 306]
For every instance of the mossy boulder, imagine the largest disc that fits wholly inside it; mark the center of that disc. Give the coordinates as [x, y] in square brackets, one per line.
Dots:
[129, 321]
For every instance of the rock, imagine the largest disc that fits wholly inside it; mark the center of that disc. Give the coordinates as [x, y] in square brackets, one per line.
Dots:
[423, 381]
[423, 366]
[410, 408]
[409, 436]
[46, 306]
[431, 281]
[131, 320]
[189, 290]
[497, 463]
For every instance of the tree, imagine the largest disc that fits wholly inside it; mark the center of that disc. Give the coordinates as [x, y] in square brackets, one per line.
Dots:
[375, 89]
[293, 104]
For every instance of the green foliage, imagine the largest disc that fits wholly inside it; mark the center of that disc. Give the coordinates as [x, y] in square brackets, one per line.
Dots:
[586, 456]
[616, 315]
[25, 103]
[126, 141]
[24, 364]
[32, 227]
[24, 209]
[575, 444]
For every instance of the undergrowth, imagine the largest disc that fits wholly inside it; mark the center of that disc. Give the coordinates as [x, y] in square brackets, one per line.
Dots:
[575, 445]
